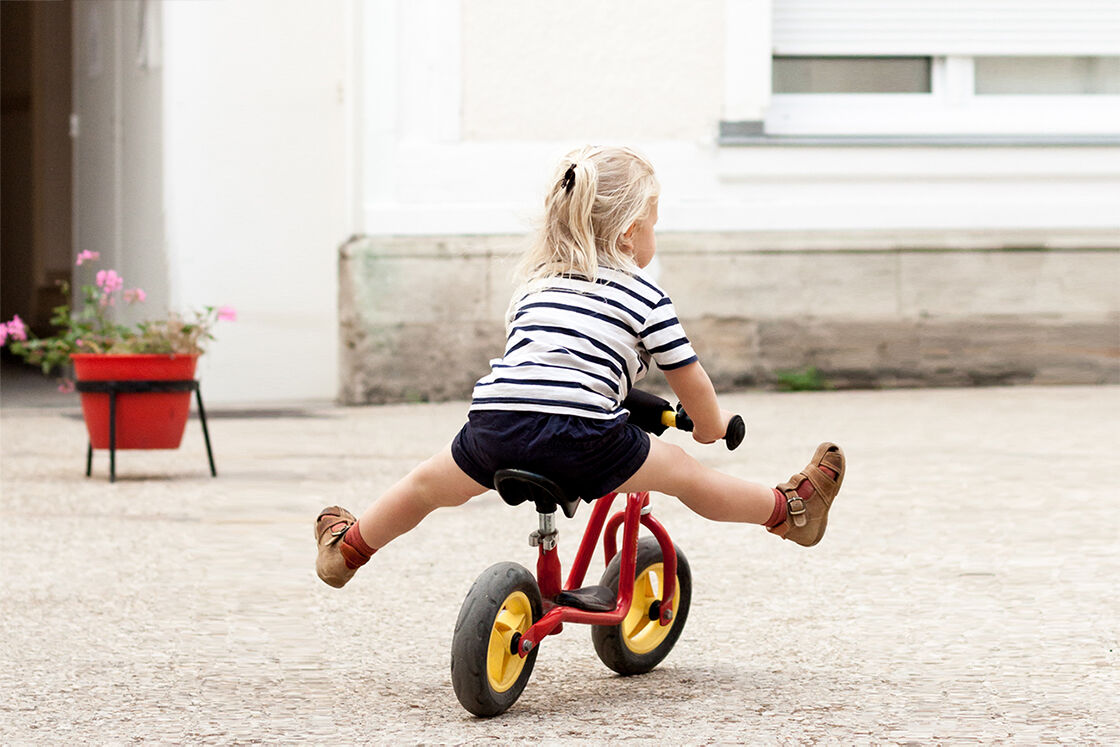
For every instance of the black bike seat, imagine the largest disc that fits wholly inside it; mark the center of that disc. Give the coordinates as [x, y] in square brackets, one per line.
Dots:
[517, 486]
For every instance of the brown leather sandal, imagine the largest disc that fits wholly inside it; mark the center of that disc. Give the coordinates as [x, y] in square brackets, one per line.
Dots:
[330, 526]
[807, 518]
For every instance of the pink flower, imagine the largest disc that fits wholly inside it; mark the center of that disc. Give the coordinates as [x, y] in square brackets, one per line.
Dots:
[227, 314]
[134, 295]
[84, 255]
[17, 329]
[3, 333]
[66, 386]
[109, 281]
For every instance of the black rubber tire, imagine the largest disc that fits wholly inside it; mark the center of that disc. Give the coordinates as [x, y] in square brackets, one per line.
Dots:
[470, 644]
[609, 640]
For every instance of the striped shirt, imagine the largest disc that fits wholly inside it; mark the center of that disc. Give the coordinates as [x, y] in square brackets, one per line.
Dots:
[576, 347]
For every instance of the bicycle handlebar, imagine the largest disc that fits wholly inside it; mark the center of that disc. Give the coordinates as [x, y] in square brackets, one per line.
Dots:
[653, 414]
[736, 428]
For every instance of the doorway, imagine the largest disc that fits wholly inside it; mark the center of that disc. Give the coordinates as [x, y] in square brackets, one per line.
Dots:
[35, 193]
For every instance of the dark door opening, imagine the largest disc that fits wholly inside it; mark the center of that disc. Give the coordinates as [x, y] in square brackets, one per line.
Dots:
[35, 193]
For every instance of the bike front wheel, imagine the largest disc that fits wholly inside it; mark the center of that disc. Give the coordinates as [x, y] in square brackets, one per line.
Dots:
[487, 672]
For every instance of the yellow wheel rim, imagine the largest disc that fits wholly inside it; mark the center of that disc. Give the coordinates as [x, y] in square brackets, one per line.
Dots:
[502, 666]
[641, 634]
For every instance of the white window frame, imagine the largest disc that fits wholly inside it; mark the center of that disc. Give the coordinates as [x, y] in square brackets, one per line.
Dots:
[950, 109]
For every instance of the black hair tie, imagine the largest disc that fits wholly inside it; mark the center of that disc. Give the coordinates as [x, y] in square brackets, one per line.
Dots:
[569, 179]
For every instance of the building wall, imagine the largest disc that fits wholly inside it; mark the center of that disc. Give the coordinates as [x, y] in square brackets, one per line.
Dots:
[468, 105]
[230, 161]
[574, 67]
[422, 316]
[258, 99]
[953, 254]
[213, 168]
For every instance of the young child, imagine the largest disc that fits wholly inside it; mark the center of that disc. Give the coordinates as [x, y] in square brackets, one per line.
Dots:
[582, 329]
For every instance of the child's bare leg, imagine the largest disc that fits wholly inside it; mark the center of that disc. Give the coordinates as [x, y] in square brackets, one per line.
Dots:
[346, 543]
[436, 483]
[796, 509]
[714, 495]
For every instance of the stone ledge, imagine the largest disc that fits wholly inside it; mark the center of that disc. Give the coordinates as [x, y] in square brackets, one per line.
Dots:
[420, 318]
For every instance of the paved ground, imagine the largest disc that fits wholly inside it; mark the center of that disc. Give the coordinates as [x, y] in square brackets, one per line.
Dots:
[966, 592]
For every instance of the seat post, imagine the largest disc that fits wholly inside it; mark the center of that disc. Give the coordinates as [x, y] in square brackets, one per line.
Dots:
[546, 533]
[548, 560]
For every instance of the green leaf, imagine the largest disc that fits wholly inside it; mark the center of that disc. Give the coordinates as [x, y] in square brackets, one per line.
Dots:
[808, 379]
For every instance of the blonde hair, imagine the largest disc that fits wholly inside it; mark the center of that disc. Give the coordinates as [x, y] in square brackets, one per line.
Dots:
[597, 193]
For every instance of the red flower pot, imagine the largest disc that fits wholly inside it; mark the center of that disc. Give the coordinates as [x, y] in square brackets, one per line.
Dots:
[150, 420]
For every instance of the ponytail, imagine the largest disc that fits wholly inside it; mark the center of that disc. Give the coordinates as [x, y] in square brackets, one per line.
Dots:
[580, 199]
[596, 194]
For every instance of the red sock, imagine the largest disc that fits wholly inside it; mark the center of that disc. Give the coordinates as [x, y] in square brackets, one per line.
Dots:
[354, 549]
[805, 489]
[779, 513]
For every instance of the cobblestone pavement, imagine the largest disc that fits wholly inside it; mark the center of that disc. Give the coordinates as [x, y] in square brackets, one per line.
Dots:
[966, 591]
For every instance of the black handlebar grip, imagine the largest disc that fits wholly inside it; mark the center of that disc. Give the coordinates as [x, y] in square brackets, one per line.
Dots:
[736, 428]
[736, 432]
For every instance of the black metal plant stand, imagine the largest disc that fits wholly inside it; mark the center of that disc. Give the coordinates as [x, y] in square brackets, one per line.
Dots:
[113, 388]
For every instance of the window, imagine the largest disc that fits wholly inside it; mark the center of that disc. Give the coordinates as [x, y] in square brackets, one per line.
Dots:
[952, 95]
[1064, 76]
[928, 69]
[851, 74]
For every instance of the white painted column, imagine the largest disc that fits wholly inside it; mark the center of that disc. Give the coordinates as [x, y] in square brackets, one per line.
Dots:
[258, 131]
[747, 60]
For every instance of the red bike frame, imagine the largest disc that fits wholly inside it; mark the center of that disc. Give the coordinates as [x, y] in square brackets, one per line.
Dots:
[548, 568]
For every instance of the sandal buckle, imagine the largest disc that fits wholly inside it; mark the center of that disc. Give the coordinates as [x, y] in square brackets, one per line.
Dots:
[338, 530]
[795, 509]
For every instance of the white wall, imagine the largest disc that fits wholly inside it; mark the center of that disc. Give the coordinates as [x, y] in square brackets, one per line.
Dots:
[285, 126]
[258, 192]
[527, 82]
[649, 71]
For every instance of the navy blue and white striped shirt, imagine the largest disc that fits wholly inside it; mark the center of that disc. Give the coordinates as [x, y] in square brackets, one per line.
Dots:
[576, 347]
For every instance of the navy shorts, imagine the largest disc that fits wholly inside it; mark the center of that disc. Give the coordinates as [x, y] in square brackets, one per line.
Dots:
[588, 458]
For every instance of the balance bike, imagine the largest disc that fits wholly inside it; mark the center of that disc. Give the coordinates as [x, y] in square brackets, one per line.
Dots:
[635, 623]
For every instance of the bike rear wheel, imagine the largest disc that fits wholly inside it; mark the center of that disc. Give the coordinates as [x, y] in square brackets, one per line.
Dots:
[639, 643]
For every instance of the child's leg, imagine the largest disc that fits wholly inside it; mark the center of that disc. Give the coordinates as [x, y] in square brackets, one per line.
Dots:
[434, 484]
[796, 510]
[670, 469]
[346, 543]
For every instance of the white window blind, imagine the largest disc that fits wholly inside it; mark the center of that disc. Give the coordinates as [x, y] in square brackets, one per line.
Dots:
[946, 27]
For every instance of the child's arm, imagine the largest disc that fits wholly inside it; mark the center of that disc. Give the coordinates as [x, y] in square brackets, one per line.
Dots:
[698, 397]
